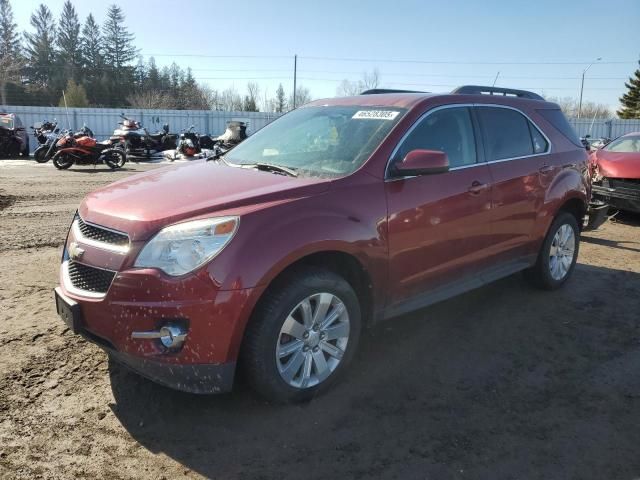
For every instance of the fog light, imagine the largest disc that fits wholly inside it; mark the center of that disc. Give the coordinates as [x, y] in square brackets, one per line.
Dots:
[171, 336]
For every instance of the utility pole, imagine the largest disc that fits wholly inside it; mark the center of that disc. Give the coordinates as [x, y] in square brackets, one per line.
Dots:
[295, 78]
[584, 72]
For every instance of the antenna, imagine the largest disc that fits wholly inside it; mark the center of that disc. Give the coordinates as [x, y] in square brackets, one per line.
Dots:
[66, 108]
[496, 79]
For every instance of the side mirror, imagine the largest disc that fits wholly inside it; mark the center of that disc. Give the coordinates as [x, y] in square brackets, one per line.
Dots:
[422, 162]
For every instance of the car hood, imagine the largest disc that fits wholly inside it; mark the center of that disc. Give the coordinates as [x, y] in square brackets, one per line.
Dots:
[142, 204]
[618, 164]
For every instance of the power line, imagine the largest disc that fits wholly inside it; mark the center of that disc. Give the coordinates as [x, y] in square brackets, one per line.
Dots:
[457, 62]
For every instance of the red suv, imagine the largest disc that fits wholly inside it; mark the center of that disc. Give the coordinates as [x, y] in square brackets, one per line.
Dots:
[337, 215]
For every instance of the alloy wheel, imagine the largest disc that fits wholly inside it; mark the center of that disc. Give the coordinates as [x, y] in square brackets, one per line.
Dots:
[312, 340]
[562, 251]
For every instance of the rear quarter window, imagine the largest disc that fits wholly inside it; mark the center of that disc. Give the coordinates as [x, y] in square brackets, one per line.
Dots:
[506, 133]
[556, 118]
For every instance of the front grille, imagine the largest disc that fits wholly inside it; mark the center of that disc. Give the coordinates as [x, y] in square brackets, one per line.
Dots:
[103, 235]
[90, 279]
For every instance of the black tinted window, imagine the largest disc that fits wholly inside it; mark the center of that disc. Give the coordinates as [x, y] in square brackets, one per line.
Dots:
[559, 121]
[540, 144]
[448, 130]
[506, 133]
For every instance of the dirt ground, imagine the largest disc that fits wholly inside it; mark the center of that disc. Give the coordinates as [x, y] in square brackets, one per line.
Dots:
[504, 382]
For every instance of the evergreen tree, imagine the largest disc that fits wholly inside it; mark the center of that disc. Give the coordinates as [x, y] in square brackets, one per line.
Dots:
[281, 101]
[10, 62]
[153, 81]
[9, 39]
[631, 100]
[69, 54]
[118, 53]
[119, 50]
[92, 60]
[40, 52]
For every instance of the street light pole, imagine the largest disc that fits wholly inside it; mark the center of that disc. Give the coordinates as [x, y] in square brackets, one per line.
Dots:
[584, 72]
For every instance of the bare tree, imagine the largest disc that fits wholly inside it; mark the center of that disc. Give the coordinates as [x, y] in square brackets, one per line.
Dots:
[150, 99]
[251, 99]
[303, 95]
[231, 100]
[569, 106]
[348, 88]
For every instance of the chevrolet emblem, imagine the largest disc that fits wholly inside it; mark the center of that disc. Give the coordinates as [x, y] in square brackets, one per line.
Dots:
[75, 252]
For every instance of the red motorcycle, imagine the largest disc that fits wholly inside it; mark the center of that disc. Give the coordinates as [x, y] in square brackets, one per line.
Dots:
[87, 151]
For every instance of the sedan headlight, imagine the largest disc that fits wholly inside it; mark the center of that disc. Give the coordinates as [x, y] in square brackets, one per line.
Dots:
[182, 248]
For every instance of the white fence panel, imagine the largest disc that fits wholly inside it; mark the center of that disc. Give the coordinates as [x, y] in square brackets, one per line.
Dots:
[103, 121]
[610, 128]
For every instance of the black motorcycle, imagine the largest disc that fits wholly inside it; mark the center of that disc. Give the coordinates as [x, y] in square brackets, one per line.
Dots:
[46, 134]
[138, 141]
[14, 139]
[189, 143]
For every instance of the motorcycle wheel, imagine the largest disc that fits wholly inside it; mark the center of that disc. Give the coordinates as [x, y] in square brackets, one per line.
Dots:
[115, 159]
[62, 161]
[40, 155]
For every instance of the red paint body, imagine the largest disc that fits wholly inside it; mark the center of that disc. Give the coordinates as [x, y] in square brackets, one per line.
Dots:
[410, 235]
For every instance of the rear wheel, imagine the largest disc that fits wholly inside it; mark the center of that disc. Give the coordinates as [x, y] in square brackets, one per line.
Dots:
[62, 161]
[115, 159]
[558, 255]
[302, 336]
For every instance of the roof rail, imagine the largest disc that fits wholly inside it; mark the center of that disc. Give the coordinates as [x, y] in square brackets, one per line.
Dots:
[480, 90]
[375, 91]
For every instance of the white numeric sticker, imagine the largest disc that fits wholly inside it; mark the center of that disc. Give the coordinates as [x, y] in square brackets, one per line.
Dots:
[375, 115]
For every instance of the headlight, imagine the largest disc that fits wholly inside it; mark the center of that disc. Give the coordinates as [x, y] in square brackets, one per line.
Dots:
[182, 248]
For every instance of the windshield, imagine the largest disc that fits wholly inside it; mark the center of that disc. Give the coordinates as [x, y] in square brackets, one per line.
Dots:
[319, 141]
[627, 144]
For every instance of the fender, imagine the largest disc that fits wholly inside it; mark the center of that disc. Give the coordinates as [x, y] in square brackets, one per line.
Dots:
[571, 182]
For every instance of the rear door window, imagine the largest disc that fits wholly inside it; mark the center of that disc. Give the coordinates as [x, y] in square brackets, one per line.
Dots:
[506, 133]
[449, 130]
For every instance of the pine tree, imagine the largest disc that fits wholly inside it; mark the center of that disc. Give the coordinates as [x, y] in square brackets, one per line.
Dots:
[118, 52]
[153, 75]
[92, 60]
[9, 39]
[631, 100]
[281, 101]
[69, 54]
[39, 49]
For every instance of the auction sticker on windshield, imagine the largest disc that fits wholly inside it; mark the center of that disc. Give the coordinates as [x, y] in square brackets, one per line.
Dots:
[375, 115]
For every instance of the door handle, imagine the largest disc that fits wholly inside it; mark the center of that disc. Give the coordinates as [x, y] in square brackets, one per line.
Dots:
[477, 188]
[546, 169]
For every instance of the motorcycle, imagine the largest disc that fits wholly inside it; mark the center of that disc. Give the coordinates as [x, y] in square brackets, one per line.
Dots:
[13, 136]
[42, 129]
[189, 144]
[46, 134]
[235, 133]
[85, 150]
[46, 151]
[138, 140]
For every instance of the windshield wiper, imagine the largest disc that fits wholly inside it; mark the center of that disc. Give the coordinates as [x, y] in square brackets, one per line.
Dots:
[270, 167]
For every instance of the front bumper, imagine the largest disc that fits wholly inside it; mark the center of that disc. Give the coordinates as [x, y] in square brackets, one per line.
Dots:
[623, 194]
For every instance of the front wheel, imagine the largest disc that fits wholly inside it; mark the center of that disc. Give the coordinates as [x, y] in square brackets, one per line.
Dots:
[62, 161]
[115, 158]
[40, 155]
[558, 255]
[302, 335]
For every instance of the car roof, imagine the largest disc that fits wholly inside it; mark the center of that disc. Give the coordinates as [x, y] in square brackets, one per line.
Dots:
[410, 100]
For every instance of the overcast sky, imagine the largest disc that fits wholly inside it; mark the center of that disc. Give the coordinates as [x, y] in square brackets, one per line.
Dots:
[422, 45]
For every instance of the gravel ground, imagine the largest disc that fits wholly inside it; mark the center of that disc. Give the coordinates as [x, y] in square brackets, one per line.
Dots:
[504, 382]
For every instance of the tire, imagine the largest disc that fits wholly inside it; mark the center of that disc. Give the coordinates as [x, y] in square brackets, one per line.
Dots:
[25, 150]
[40, 155]
[115, 159]
[552, 271]
[283, 378]
[62, 161]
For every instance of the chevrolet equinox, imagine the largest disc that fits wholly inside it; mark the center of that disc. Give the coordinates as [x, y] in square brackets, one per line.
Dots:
[344, 212]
